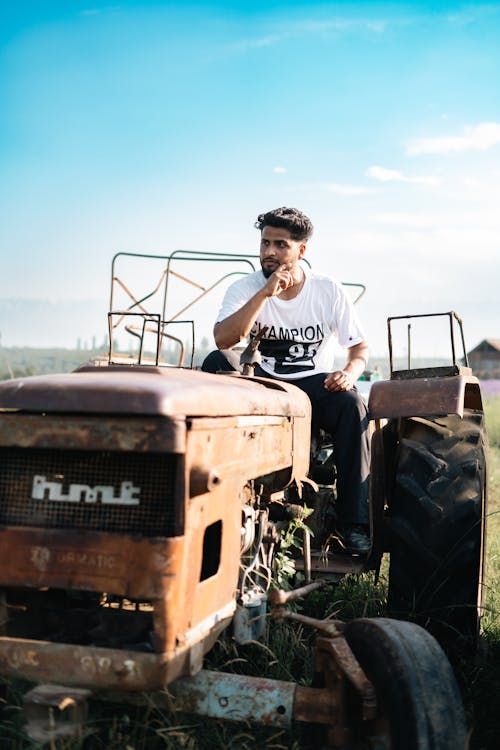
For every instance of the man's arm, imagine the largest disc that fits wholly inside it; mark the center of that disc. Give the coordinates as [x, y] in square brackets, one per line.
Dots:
[357, 359]
[236, 327]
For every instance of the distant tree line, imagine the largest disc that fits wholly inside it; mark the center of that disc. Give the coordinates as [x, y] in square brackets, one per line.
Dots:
[16, 362]
[23, 361]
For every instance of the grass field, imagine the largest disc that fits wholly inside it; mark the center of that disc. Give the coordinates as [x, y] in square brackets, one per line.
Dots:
[287, 655]
[480, 681]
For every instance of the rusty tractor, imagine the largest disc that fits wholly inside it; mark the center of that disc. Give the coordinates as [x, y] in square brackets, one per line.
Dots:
[140, 505]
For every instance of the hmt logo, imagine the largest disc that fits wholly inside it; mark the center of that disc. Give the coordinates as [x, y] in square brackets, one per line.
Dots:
[82, 493]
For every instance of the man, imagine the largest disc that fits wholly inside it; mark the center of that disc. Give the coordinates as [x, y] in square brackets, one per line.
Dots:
[304, 313]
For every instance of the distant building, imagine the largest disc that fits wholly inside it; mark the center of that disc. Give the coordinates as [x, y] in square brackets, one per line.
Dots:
[485, 359]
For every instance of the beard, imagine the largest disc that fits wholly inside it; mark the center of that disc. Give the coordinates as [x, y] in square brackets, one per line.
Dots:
[268, 267]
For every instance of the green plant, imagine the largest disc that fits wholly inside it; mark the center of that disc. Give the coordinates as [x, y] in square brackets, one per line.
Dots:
[292, 532]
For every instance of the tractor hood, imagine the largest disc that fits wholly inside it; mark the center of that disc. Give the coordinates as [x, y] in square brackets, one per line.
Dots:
[159, 391]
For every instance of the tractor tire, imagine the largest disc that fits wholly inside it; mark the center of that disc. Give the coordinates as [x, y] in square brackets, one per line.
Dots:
[436, 527]
[418, 703]
[419, 706]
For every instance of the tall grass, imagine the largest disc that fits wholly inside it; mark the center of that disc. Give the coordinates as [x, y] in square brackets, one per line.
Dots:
[492, 412]
[480, 678]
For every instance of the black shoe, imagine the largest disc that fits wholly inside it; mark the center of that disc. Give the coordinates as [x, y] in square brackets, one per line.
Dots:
[355, 539]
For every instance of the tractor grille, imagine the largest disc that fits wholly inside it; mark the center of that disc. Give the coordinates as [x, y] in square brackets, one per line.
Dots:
[116, 492]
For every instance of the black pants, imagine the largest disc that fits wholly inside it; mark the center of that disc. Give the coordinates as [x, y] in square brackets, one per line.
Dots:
[343, 415]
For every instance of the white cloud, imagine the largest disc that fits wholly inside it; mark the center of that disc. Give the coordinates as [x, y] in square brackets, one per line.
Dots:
[280, 170]
[474, 138]
[310, 27]
[393, 175]
[378, 26]
[348, 190]
[264, 41]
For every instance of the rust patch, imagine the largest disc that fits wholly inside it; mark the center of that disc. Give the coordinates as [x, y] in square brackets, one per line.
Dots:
[118, 564]
[92, 433]
[84, 666]
[418, 398]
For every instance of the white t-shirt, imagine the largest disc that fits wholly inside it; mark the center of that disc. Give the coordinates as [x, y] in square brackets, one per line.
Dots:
[301, 331]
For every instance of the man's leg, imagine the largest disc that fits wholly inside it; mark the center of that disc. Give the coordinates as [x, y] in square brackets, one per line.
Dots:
[225, 360]
[216, 362]
[344, 416]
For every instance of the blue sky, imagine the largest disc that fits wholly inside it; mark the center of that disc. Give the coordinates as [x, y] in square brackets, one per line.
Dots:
[150, 126]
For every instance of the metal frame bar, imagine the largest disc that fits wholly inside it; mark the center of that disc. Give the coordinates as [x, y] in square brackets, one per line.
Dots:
[161, 334]
[452, 317]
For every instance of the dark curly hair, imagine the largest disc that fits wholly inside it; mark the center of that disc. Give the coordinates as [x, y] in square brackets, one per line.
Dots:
[297, 223]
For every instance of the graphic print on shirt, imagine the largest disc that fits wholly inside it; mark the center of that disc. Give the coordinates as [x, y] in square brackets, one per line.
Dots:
[290, 356]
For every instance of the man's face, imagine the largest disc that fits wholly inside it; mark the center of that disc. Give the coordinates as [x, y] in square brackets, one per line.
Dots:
[277, 248]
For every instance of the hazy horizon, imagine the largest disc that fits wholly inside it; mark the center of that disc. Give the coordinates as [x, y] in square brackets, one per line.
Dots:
[57, 325]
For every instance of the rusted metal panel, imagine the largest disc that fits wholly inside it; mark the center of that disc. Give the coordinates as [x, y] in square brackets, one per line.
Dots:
[418, 398]
[338, 649]
[83, 666]
[154, 391]
[235, 697]
[106, 668]
[247, 449]
[214, 454]
[245, 423]
[316, 705]
[136, 568]
[240, 698]
[191, 608]
[82, 432]
[264, 445]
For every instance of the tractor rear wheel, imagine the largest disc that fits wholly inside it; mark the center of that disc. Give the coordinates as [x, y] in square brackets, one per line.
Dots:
[436, 527]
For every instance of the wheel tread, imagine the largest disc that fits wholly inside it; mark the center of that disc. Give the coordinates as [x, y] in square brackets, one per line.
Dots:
[414, 679]
[435, 524]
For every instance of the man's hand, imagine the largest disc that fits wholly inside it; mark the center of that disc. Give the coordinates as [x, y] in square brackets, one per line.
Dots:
[280, 280]
[343, 380]
[237, 326]
[338, 381]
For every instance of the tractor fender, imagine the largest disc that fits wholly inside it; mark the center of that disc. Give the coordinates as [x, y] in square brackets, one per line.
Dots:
[420, 397]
